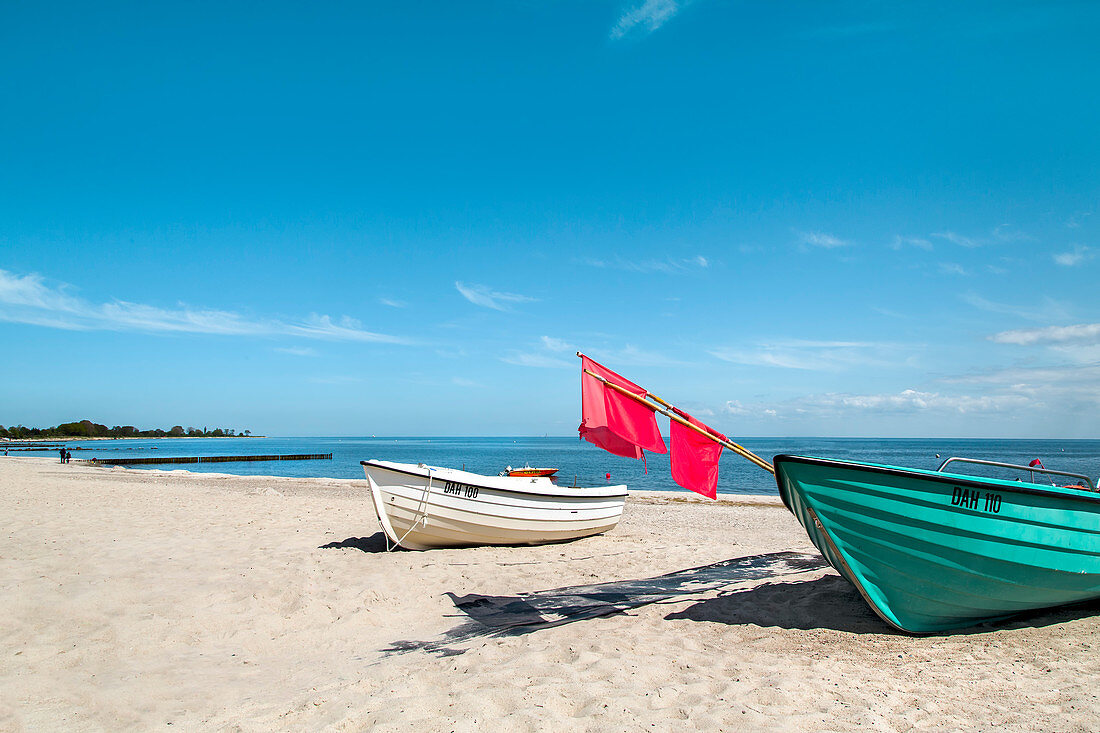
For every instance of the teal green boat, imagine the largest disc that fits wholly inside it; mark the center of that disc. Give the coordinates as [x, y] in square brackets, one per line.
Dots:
[932, 551]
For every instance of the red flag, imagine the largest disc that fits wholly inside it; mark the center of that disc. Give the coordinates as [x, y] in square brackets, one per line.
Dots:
[613, 421]
[593, 426]
[633, 420]
[695, 457]
[1036, 463]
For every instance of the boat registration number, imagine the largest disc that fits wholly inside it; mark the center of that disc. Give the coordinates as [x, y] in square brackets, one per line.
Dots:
[974, 499]
[456, 489]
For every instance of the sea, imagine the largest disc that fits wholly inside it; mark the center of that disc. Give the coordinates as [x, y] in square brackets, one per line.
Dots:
[579, 463]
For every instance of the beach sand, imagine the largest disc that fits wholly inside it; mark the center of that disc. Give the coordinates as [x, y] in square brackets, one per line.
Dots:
[132, 600]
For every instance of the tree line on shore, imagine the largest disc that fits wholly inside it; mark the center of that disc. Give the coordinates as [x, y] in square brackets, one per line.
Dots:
[89, 429]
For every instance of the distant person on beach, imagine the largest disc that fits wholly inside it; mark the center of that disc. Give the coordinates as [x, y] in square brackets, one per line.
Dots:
[68, 455]
[62, 455]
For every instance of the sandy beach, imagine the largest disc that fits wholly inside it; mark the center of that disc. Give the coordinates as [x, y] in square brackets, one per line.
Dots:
[136, 600]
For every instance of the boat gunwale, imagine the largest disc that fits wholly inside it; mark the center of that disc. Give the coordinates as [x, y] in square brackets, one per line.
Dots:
[521, 492]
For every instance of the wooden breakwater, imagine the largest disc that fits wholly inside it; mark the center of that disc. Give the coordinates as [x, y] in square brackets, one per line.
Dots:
[203, 459]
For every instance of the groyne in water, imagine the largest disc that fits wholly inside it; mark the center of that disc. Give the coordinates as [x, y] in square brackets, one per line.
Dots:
[203, 459]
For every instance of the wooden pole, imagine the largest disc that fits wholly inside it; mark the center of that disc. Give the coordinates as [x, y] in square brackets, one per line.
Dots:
[738, 449]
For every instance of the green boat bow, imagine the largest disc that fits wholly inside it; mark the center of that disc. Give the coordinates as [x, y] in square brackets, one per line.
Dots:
[933, 551]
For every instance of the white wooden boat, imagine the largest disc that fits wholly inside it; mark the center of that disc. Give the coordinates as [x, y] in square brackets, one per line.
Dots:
[421, 507]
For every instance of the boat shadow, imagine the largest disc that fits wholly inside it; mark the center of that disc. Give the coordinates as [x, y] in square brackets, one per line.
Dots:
[374, 544]
[830, 602]
[497, 616]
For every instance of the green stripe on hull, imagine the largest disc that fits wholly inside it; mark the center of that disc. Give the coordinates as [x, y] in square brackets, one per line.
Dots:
[933, 552]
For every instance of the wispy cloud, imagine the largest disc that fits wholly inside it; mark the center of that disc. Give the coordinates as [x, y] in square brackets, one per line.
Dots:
[28, 299]
[1008, 233]
[337, 379]
[645, 18]
[633, 356]
[911, 400]
[837, 406]
[821, 239]
[1082, 333]
[488, 298]
[392, 303]
[1074, 257]
[735, 407]
[1059, 388]
[959, 239]
[818, 356]
[952, 268]
[541, 361]
[554, 344]
[918, 242]
[1050, 310]
[297, 351]
[1074, 222]
[667, 265]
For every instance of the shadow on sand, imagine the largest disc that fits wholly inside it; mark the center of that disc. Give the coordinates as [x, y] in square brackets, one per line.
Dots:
[375, 543]
[830, 602]
[491, 616]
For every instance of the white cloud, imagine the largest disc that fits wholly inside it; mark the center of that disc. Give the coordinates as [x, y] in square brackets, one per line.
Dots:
[952, 268]
[297, 351]
[1050, 310]
[554, 344]
[540, 361]
[911, 400]
[633, 356]
[392, 303]
[646, 18]
[958, 239]
[488, 298]
[1075, 257]
[1052, 390]
[1074, 222]
[28, 299]
[918, 242]
[1086, 333]
[668, 265]
[838, 406]
[821, 239]
[338, 379]
[1006, 233]
[819, 356]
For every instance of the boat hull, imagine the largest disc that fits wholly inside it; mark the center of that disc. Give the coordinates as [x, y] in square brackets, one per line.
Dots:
[532, 472]
[933, 552]
[422, 507]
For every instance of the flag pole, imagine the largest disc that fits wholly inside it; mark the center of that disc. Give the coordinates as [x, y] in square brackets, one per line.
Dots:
[738, 449]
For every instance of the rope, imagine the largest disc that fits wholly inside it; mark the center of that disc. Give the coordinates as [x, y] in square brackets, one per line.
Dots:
[423, 514]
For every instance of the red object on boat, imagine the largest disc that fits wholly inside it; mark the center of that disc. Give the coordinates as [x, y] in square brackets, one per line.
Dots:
[528, 471]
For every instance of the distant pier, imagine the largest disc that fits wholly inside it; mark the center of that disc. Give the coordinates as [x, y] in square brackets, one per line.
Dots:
[203, 459]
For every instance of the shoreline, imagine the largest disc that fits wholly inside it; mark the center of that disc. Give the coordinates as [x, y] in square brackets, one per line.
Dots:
[128, 437]
[139, 599]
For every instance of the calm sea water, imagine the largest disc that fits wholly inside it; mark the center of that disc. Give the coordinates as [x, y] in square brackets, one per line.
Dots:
[579, 461]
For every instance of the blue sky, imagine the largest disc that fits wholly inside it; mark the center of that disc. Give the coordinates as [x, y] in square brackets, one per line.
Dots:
[792, 218]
